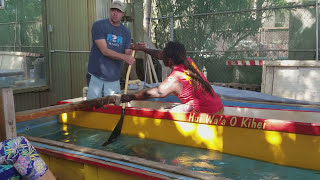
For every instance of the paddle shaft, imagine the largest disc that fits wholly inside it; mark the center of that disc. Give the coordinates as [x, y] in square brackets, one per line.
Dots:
[127, 80]
[127, 83]
[117, 130]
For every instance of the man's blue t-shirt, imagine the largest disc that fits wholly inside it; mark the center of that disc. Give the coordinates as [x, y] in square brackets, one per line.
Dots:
[118, 39]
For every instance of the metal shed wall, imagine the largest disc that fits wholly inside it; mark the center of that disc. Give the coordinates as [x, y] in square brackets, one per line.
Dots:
[68, 41]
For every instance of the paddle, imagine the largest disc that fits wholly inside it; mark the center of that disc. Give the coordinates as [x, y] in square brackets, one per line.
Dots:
[117, 130]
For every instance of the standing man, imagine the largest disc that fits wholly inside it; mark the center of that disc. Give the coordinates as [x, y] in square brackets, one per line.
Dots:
[110, 47]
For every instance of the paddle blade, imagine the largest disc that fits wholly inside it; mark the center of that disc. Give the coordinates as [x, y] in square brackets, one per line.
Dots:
[116, 131]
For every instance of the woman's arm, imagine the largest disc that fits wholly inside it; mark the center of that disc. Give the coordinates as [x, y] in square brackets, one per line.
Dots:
[167, 87]
[140, 46]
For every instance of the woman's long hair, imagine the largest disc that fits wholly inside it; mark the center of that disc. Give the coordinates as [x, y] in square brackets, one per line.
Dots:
[177, 52]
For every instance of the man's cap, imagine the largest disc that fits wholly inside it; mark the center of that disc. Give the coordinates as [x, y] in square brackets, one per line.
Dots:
[118, 5]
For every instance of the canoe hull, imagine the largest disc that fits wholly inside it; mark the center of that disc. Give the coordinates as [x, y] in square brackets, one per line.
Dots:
[280, 142]
[73, 167]
[69, 161]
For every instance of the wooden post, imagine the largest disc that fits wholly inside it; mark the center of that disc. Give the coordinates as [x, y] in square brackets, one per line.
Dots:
[152, 68]
[7, 114]
[149, 70]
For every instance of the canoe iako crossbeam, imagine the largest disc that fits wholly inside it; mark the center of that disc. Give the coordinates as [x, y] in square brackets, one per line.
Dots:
[63, 108]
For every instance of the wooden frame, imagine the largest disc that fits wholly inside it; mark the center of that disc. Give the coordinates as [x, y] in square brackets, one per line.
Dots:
[7, 114]
[1, 4]
[302, 84]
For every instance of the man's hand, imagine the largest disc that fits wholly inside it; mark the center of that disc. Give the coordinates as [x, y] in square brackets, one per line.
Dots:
[126, 97]
[129, 59]
[139, 46]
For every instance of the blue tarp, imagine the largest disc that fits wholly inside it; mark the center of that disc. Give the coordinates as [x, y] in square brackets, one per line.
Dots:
[236, 94]
[230, 93]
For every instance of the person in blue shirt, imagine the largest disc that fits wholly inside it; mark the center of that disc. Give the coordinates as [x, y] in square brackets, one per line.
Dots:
[110, 48]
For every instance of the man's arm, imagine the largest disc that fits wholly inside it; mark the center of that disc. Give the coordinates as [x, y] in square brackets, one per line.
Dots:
[103, 47]
[128, 52]
[167, 87]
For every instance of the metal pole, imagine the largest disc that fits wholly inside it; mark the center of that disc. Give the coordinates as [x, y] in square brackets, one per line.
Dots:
[24, 46]
[15, 30]
[150, 17]
[20, 36]
[67, 51]
[317, 31]
[171, 26]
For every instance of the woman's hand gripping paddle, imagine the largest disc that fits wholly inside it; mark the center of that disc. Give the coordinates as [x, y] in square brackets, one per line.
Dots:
[117, 130]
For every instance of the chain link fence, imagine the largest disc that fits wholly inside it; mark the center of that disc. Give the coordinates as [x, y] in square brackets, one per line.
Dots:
[21, 26]
[215, 32]
[21, 31]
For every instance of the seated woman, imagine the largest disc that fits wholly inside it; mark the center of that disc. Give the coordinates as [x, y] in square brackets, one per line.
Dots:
[185, 81]
[20, 160]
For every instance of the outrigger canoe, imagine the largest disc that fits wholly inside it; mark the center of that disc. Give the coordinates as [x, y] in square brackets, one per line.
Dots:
[282, 136]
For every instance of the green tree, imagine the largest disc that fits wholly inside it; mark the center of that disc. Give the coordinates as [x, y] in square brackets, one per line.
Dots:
[213, 25]
[232, 21]
[21, 23]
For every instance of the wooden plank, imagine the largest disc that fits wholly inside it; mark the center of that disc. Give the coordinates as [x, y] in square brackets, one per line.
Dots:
[63, 108]
[268, 77]
[263, 78]
[152, 68]
[7, 114]
[149, 70]
[294, 63]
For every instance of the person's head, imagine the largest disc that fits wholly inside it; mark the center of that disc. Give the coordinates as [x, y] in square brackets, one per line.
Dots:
[117, 10]
[174, 52]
